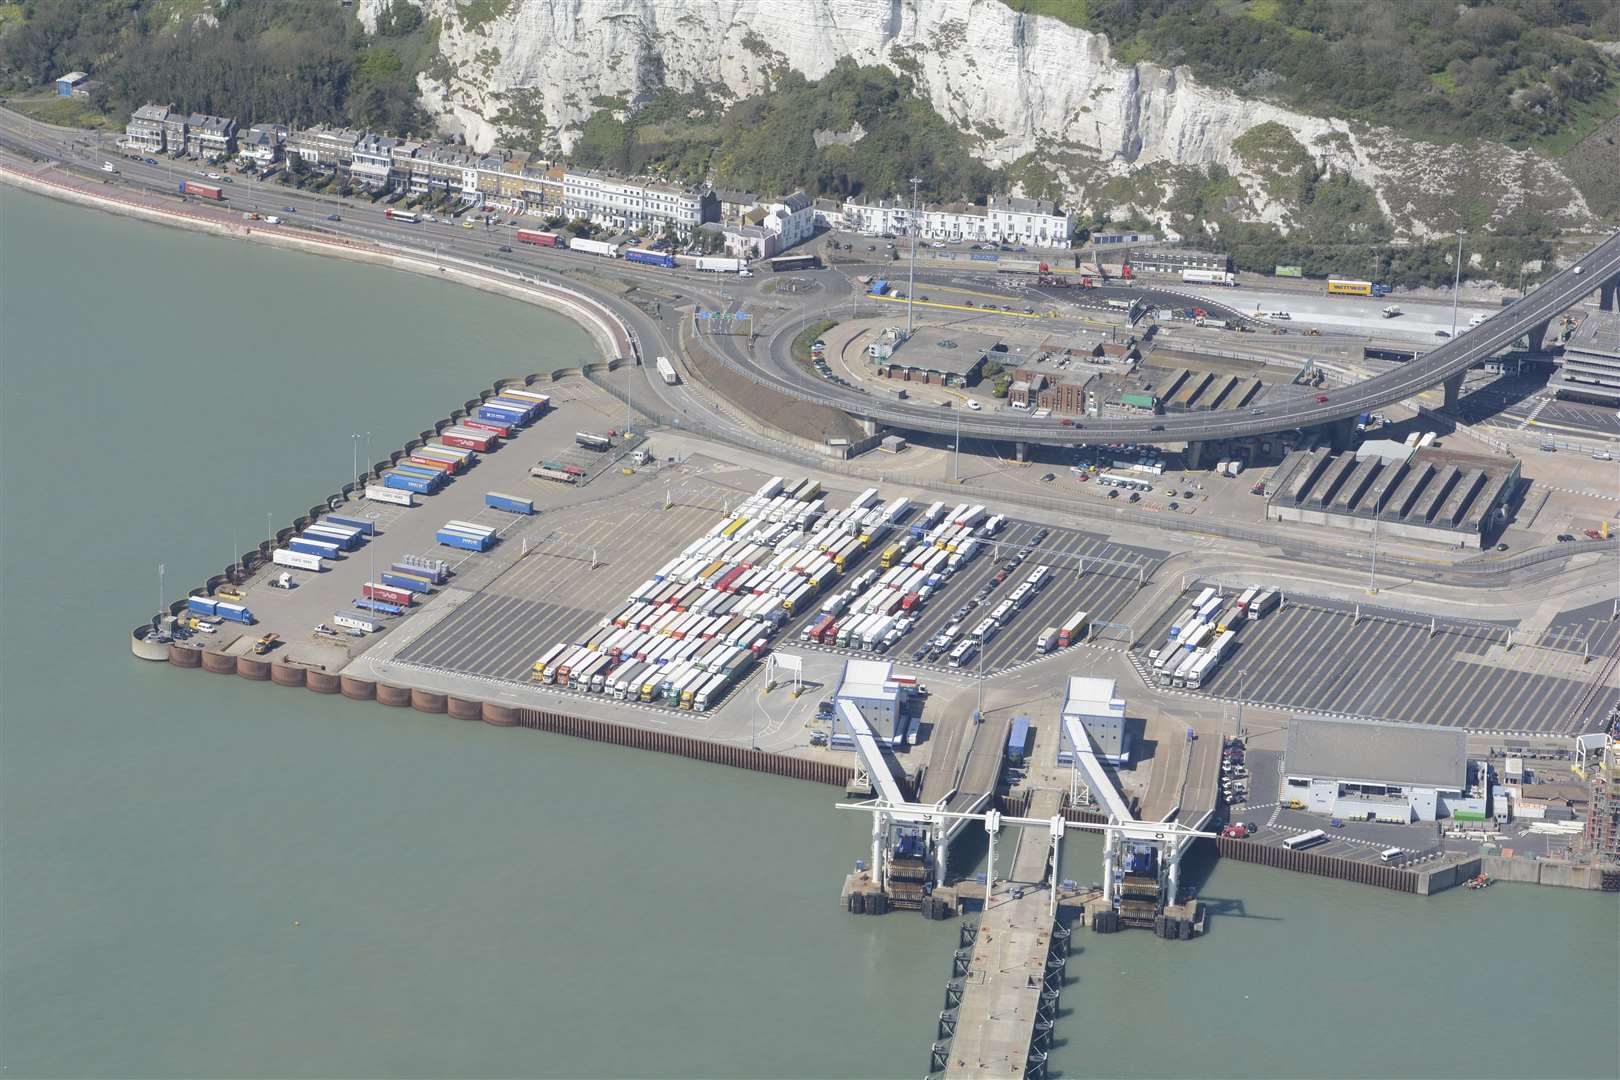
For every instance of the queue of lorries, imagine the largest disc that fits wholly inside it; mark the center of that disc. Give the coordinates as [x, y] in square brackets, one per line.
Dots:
[878, 608]
[698, 624]
[1205, 633]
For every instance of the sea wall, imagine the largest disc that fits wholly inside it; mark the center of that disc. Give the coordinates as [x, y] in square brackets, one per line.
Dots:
[281, 673]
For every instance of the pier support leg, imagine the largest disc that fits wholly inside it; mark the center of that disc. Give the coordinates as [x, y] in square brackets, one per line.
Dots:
[879, 827]
[942, 849]
[1173, 874]
[1021, 451]
[869, 427]
[1453, 390]
[1608, 300]
[992, 825]
[1195, 454]
[1538, 335]
[1108, 866]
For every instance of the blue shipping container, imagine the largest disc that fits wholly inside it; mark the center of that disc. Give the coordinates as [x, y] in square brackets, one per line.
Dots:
[1018, 740]
[407, 483]
[200, 605]
[510, 503]
[369, 528]
[402, 581]
[463, 541]
[344, 540]
[310, 546]
[433, 572]
[367, 604]
[233, 612]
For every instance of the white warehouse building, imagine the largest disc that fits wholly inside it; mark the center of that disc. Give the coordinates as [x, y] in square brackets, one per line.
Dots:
[1100, 709]
[1373, 770]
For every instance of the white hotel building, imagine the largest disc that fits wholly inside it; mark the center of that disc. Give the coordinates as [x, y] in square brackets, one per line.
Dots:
[1032, 223]
[621, 203]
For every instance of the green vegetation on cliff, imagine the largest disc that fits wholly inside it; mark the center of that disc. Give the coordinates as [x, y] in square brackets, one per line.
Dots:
[1520, 71]
[857, 130]
[296, 62]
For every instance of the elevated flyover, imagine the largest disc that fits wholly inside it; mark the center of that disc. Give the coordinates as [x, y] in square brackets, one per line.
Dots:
[1596, 271]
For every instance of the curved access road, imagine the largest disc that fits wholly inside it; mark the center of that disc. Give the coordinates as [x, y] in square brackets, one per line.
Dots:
[774, 366]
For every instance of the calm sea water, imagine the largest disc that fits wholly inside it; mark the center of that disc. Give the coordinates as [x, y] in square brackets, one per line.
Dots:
[203, 876]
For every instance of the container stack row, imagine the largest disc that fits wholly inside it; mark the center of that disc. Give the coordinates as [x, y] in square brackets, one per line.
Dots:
[429, 467]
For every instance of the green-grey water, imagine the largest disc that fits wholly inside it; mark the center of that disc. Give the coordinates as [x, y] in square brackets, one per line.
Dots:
[473, 901]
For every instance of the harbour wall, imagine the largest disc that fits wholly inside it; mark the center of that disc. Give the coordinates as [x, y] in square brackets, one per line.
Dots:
[280, 672]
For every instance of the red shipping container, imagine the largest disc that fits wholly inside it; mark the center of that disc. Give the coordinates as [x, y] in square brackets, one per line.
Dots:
[388, 595]
[495, 427]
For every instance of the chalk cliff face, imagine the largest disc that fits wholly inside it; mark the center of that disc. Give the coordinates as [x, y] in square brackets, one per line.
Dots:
[1021, 84]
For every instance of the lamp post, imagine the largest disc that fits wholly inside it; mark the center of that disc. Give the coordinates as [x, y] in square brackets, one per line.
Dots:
[911, 276]
[1456, 281]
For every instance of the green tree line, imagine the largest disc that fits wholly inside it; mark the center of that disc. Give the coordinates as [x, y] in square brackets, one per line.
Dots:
[290, 62]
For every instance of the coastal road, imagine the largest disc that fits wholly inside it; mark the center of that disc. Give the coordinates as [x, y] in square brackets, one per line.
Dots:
[771, 367]
[82, 154]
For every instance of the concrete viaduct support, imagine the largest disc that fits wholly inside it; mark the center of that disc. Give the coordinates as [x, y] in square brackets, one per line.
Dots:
[1607, 298]
[1343, 433]
[1538, 335]
[1195, 454]
[1021, 451]
[1453, 390]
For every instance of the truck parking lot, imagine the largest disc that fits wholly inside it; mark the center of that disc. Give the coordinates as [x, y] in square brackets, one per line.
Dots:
[1110, 577]
[1320, 656]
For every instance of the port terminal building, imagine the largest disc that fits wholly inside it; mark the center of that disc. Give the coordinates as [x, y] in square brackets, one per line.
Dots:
[1371, 770]
[1590, 367]
[1432, 494]
[883, 699]
[1096, 704]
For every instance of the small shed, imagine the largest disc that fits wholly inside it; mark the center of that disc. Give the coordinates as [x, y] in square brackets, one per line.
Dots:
[893, 443]
[66, 84]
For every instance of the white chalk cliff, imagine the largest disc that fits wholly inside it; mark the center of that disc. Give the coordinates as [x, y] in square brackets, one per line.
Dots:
[1022, 84]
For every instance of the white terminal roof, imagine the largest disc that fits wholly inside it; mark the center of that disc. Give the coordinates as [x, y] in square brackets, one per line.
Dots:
[867, 679]
[1092, 697]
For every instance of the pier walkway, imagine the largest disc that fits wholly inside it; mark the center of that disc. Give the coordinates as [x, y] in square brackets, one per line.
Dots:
[1001, 993]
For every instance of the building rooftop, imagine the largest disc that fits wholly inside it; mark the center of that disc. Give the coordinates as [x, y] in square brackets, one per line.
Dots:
[1598, 333]
[868, 679]
[1092, 697]
[727, 195]
[1378, 752]
[152, 113]
[73, 77]
[952, 351]
[1019, 205]
[1435, 487]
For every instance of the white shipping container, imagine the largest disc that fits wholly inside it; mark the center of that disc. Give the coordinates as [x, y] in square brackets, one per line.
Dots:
[296, 559]
[377, 493]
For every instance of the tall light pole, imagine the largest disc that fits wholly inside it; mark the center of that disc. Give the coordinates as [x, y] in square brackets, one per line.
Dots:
[354, 448]
[1456, 281]
[911, 277]
[1242, 674]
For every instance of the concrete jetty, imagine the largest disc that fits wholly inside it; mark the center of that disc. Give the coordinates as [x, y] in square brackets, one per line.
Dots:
[1001, 993]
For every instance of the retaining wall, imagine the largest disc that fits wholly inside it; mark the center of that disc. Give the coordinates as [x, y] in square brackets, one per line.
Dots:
[820, 772]
[1309, 862]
